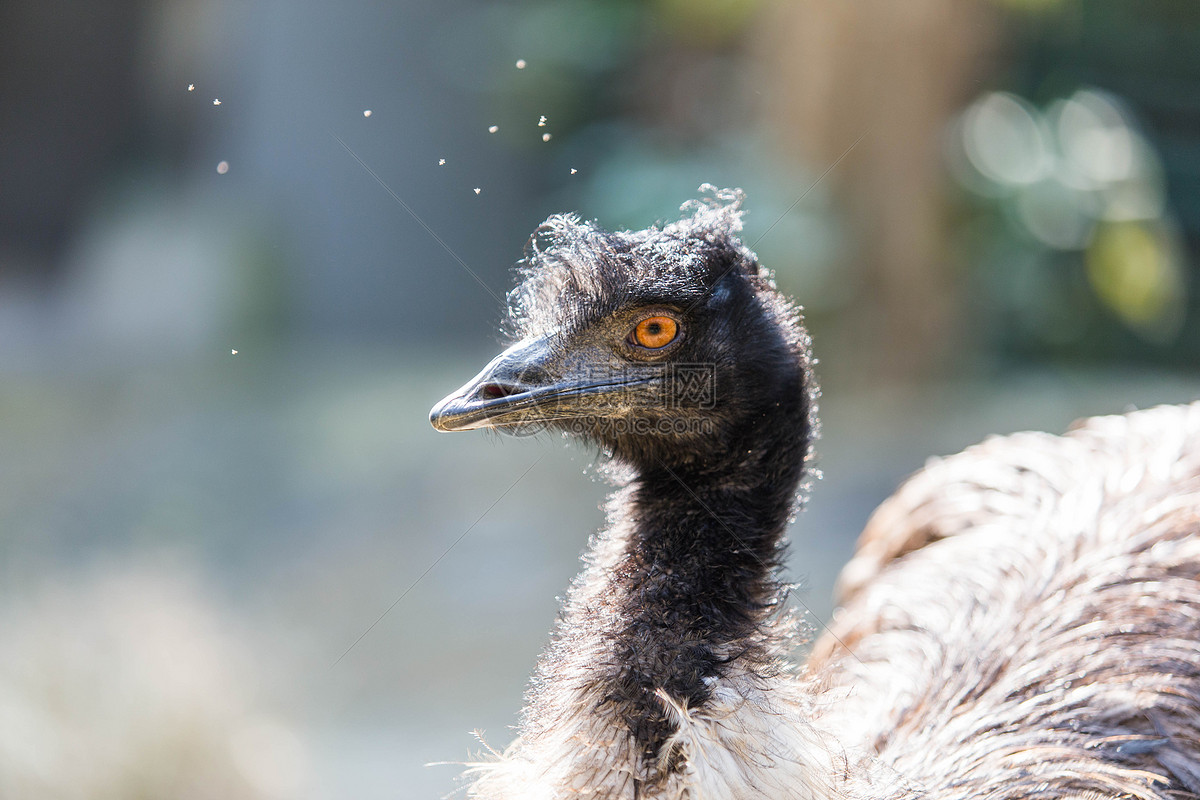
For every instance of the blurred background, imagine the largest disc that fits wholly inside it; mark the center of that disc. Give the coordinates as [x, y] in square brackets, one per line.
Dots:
[245, 246]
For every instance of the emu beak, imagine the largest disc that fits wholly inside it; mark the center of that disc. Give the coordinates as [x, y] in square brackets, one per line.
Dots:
[530, 383]
[508, 386]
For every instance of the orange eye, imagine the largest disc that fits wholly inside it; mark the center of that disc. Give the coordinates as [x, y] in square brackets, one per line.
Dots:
[655, 332]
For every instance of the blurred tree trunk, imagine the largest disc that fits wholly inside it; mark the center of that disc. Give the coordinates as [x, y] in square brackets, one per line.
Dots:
[893, 73]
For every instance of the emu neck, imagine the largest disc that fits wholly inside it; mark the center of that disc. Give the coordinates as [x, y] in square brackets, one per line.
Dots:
[703, 546]
[702, 550]
[680, 591]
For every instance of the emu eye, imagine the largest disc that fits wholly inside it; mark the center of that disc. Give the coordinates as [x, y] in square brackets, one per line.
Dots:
[655, 333]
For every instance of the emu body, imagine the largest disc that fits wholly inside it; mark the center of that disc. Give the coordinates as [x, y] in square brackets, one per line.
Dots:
[1021, 620]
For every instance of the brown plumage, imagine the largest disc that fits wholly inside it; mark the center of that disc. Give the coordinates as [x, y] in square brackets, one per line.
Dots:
[1024, 617]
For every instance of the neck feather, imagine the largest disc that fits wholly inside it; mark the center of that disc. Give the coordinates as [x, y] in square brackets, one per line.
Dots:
[681, 592]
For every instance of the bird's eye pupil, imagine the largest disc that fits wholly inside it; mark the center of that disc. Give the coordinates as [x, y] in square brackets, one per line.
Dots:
[654, 328]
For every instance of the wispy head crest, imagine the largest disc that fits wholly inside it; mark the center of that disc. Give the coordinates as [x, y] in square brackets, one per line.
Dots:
[720, 207]
[574, 271]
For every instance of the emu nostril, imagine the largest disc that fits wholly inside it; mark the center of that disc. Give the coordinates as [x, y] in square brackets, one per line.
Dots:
[491, 391]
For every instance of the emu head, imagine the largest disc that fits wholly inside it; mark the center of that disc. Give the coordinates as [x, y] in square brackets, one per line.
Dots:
[667, 344]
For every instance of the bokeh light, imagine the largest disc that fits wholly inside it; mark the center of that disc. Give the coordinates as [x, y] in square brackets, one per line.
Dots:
[1079, 177]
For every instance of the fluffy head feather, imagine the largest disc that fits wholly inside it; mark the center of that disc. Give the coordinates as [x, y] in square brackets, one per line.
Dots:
[575, 273]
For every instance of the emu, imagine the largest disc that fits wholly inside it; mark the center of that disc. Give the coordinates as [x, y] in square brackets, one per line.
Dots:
[1021, 620]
